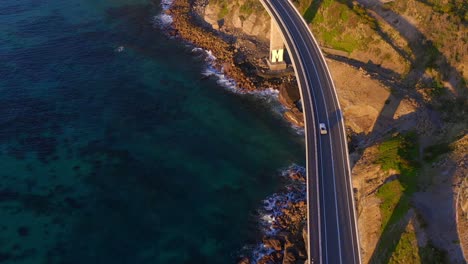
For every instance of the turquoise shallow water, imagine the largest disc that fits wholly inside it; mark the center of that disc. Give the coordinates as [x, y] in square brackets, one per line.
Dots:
[114, 155]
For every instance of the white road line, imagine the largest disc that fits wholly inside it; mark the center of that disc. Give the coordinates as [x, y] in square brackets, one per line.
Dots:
[345, 164]
[306, 133]
[331, 144]
[340, 129]
[341, 132]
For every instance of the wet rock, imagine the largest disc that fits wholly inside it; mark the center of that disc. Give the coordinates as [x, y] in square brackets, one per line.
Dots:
[186, 25]
[290, 251]
[295, 116]
[297, 176]
[288, 94]
[274, 243]
[289, 257]
[269, 259]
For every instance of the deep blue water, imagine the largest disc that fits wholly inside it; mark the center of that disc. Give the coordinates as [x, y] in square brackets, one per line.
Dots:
[125, 157]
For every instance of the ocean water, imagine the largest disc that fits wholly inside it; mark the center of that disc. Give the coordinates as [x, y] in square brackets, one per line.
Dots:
[114, 149]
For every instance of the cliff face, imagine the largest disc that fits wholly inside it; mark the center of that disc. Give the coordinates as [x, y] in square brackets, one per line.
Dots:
[245, 15]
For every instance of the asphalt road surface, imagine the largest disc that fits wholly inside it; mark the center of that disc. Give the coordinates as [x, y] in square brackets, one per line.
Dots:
[332, 228]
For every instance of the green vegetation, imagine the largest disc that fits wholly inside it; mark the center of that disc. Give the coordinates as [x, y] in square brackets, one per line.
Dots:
[249, 7]
[398, 244]
[330, 20]
[437, 88]
[454, 7]
[406, 249]
[400, 153]
[366, 18]
[224, 11]
[390, 194]
[224, 6]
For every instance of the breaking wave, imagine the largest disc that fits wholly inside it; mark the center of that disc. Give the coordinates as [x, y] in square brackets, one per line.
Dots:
[272, 208]
[163, 20]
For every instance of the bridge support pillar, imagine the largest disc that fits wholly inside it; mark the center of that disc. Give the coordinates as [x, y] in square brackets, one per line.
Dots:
[276, 59]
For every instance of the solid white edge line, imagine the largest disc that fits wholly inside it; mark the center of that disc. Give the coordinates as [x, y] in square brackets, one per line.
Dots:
[305, 127]
[344, 132]
[331, 147]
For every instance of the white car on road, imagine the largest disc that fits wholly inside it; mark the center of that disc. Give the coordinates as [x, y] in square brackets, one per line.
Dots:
[323, 129]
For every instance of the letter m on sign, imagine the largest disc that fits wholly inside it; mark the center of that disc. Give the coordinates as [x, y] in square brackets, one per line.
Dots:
[277, 55]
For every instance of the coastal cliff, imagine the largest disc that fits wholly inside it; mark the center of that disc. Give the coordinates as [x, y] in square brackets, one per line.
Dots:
[400, 72]
[247, 16]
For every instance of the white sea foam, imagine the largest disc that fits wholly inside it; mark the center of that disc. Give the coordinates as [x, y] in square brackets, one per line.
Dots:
[273, 206]
[210, 56]
[162, 21]
[260, 251]
[269, 95]
[166, 4]
[119, 49]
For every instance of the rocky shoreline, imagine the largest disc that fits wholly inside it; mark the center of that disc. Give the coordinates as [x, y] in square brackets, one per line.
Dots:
[187, 26]
[363, 87]
[284, 214]
[283, 218]
[236, 56]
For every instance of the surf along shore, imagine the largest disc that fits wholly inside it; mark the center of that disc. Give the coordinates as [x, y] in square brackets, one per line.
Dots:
[283, 215]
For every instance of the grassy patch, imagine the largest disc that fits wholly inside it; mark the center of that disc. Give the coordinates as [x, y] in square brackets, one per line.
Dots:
[399, 153]
[390, 194]
[224, 11]
[388, 154]
[330, 21]
[406, 249]
[249, 7]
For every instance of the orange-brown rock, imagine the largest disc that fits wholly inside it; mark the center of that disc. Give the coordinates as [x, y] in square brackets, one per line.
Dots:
[297, 177]
[184, 26]
[295, 117]
[289, 94]
[274, 243]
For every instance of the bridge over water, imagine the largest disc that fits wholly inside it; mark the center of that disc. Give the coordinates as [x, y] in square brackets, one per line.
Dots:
[331, 218]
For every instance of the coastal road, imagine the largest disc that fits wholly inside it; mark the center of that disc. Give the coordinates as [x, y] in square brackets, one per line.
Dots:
[332, 228]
